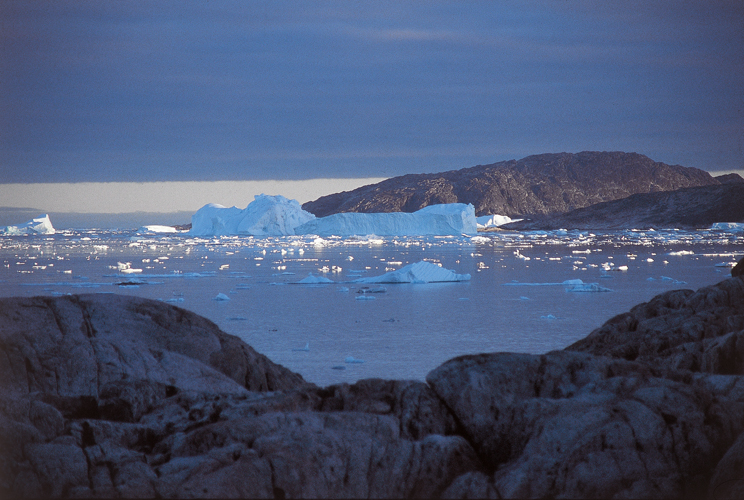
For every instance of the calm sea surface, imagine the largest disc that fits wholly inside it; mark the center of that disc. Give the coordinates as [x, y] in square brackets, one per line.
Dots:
[515, 300]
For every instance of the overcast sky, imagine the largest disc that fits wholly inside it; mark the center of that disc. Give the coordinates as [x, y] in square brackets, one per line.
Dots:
[255, 90]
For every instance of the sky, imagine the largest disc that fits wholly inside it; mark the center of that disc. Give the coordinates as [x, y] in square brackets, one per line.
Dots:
[259, 91]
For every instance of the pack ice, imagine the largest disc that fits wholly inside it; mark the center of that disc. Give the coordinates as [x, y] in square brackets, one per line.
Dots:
[38, 225]
[265, 216]
[445, 219]
[420, 272]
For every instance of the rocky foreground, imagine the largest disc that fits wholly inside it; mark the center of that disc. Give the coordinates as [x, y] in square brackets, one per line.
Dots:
[113, 396]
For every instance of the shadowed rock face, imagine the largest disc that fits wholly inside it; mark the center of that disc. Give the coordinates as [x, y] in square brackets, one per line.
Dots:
[695, 207]
[114, 396]
[540, 184]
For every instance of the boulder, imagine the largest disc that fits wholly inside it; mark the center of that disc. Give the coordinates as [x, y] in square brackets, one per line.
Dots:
[681, 329]
[738, 269]
[111, 396]
[574, 425]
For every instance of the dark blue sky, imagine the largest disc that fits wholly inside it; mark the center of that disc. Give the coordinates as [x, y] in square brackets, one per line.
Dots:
[219, 90]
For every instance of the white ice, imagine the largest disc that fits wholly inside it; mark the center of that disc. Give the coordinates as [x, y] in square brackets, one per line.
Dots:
[311, 279]
[157, 229]
[264, 216]
[485, 221]
[437, 220]
[734, 227]
[420, 272]
[37, 225]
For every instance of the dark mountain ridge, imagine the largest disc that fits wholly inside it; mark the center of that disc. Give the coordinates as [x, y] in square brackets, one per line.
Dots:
[545, 184]
[687, 208]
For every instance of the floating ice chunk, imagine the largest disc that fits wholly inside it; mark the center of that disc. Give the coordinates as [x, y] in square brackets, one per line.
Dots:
[549, 317]
[734, 227]
[37, 225]
[682, 252]
[420, 272]
[221, 296]
[157, 229]
[352, 359]
[587, 287]
[445, 219]
[485, 221]
[304, 349]
[365, 297]
[265, 216]
[315, 280]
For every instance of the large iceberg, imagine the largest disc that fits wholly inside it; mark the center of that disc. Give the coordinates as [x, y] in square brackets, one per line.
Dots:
[420, 272]
[264, 216]
[445, 219]
[38, 225]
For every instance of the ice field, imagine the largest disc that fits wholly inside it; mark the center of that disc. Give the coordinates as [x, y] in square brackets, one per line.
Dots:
[523, 295]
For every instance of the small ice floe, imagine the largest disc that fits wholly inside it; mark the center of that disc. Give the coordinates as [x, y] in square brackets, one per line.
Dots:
[303, 349]
[649, 260]
[520, 256]
[352, 359]
[549, 317]
[156, 229]
[365, 297]
[311, 279]
[524, 298]
[587, 287]
[342, 289]
[420, 272]
[237, 318]
[174, 300]
[221, 297]
[377, 289]
[725, 264]
[682, 252]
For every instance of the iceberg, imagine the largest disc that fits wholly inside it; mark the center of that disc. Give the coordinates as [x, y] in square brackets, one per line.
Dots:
[435, 220]
[38, 225]
[734, 227]
[486, 221]
[311, 279]
[265, 216]
[420, 272]
[157, 229]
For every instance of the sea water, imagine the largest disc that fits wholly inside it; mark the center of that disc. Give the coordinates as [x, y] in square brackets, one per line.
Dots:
[521, 296]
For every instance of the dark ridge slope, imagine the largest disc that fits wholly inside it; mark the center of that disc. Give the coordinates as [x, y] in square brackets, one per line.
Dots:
[695, 207]
[540, 184]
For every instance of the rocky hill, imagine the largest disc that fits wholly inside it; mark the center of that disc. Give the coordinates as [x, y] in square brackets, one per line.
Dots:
[105, 396]
[540, 184]
[695, 207]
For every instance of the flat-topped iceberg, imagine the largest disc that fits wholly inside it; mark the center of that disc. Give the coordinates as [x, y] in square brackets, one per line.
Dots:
[434, 220]
[420, 272]
[264, 216]
[38, 225]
